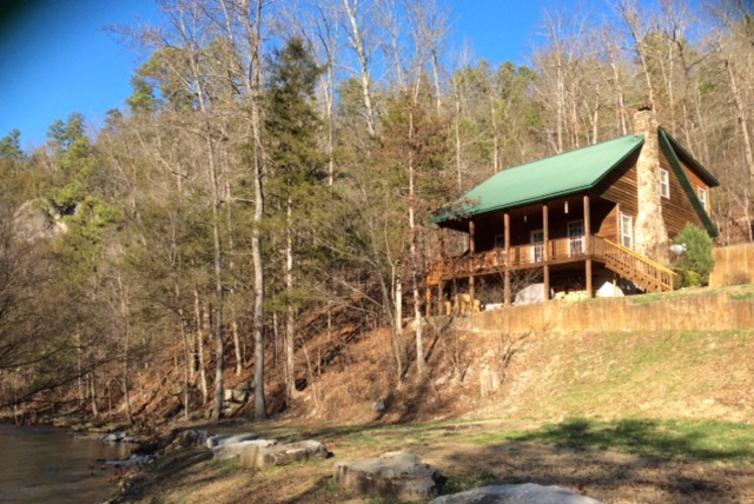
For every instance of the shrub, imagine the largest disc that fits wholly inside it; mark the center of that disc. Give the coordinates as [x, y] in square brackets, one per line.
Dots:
[695, 265]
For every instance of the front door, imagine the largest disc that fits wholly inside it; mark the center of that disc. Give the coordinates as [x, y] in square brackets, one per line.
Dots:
[537, 239]
[575, 238]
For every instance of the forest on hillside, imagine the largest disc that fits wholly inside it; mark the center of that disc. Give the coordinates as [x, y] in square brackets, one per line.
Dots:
[273, 173]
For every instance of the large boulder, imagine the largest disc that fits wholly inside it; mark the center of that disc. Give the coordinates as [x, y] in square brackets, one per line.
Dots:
[190, 438]
[527, 493]
[258, 456]
[37, 219]
[238, 394]
[227, 451]
[215, 441]
[394, 475]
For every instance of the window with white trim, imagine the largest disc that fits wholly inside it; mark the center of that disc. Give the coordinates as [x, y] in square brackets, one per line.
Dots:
[664, 183]
[702, 193]
[626, 230]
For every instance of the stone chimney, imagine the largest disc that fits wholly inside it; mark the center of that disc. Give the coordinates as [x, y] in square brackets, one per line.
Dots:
[650, 235]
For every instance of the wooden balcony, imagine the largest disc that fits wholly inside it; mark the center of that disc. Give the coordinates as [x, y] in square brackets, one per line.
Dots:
[642, 271]
[561, 250]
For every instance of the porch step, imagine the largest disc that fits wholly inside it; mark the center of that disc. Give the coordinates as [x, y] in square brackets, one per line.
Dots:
[646, 274]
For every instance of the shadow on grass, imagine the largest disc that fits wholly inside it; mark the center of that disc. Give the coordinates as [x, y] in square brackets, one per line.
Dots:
[665, 440]
[631, 460]
[166, 468]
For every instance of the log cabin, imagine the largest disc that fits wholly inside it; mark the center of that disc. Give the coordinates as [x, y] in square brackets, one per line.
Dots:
[607, 212]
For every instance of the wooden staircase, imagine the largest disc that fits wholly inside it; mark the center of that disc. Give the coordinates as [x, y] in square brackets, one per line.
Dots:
[646, 274]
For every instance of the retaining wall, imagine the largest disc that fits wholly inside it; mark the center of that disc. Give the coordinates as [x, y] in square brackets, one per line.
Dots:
[704, 310]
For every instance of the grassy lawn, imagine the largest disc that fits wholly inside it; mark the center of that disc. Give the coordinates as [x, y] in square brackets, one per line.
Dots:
[737, 293]
[627, 460]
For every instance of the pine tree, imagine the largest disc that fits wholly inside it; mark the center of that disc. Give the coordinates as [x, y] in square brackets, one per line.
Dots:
[299, 170]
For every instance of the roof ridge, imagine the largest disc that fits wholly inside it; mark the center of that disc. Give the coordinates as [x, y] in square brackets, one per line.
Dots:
[634, 135]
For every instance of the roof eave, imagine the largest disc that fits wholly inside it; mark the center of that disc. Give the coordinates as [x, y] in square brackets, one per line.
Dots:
[675, 164]
[700, 170]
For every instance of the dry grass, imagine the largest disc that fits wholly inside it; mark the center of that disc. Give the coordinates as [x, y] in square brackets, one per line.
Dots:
[631, 461]
[660, 417]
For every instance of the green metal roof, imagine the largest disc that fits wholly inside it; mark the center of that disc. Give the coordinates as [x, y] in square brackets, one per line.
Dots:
[668, 144]
[567, 173]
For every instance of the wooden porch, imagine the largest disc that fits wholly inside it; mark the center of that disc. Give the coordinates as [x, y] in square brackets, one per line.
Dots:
[586, 248]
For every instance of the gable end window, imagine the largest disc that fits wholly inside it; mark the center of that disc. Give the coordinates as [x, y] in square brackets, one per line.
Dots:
[664, 183]
[702, 193]
[626, 230]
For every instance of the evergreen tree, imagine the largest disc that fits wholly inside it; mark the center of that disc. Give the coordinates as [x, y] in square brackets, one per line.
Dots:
[10, 146]
[292, 126]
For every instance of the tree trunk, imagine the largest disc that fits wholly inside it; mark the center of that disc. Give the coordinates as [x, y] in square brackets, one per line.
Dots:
[126, 338]
[357, 42]
[93, 391]
[743, 120]
[420, 362]
[289, 319]
[254, 35]
[200, 347]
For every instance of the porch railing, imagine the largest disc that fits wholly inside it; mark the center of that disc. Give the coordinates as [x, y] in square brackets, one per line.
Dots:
[519, 256]
[645, 273]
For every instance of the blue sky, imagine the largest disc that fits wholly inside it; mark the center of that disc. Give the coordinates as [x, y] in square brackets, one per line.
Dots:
[56, 57]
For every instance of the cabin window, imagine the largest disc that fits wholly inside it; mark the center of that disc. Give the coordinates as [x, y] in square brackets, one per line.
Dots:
[664, 183]
[537, 239]
[576, 237]
[626, 230]
[499, 241]
[702, 193]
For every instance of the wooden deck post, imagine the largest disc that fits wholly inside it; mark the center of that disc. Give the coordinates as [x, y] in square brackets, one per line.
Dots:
[546, 247]
[507, 262]
[588, 247]
[440, 283]
[472, 250]
[440, 298]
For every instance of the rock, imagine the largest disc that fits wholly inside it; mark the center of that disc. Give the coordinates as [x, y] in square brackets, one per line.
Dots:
[533, 293]
[379, 406]
[115, 437]
[36, 219]
[191, 437]
[258, 456]
[227, 451]
[527, 493]
[394, 475]
[215, 441]
[132, 461]
[489, 381]
[238, 394]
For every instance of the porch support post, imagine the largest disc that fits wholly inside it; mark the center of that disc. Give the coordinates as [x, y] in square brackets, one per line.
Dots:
[440, 298]
[507, 262]
[440, 283]
[546, 251]
[472, 250]
[588, 247]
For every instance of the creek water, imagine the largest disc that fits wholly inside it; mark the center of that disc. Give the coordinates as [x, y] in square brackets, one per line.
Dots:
[49, 465]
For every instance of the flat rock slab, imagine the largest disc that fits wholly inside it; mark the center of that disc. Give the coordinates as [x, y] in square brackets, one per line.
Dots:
[228, 451]
[527, 493]
[394, 475]
[281, 454]
[215, 441]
